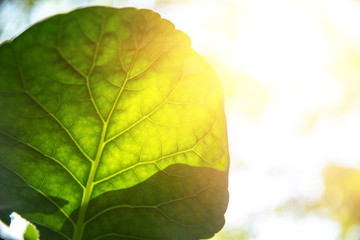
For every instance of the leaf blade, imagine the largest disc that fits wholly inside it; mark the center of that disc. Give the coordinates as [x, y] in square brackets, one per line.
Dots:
[107, 100]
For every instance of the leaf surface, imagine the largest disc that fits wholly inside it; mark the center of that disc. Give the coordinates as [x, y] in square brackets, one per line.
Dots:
[111, 127]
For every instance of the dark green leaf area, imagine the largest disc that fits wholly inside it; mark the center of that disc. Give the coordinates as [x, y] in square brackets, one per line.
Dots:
[178, 203]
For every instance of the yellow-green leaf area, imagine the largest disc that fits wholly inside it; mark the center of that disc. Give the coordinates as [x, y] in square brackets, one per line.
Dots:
[31, 233]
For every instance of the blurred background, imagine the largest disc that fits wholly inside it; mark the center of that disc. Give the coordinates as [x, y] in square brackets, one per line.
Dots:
[291, 76]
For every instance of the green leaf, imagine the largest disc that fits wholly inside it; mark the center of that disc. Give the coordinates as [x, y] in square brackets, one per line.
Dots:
[111, 127]
[31, 233]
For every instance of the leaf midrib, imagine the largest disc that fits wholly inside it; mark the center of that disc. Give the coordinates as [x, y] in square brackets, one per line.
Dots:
[79, 227]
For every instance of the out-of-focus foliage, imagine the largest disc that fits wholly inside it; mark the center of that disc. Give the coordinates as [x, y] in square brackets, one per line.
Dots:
[339, 201]
[234, 234]
[342, 195]
[350, 74]
[28, 4]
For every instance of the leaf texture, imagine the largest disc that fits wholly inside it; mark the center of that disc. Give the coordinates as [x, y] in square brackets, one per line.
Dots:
[111, 127]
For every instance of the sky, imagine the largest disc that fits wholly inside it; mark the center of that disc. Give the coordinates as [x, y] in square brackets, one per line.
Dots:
[290, 71]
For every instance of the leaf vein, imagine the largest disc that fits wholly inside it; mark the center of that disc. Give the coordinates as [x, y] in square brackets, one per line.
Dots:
[157, 207]
[152, 161]
[42, 107]
[92, 68]
[57, 231]
[45, 155]
[42, 193]
[145, 116]
[61, 125]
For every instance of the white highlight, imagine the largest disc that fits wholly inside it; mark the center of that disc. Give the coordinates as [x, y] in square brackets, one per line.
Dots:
[16, 229]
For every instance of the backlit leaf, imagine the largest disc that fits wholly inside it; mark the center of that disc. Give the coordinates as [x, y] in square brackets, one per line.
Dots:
[111, 127]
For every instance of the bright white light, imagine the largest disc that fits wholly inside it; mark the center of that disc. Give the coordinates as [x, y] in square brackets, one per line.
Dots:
[285, 228]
